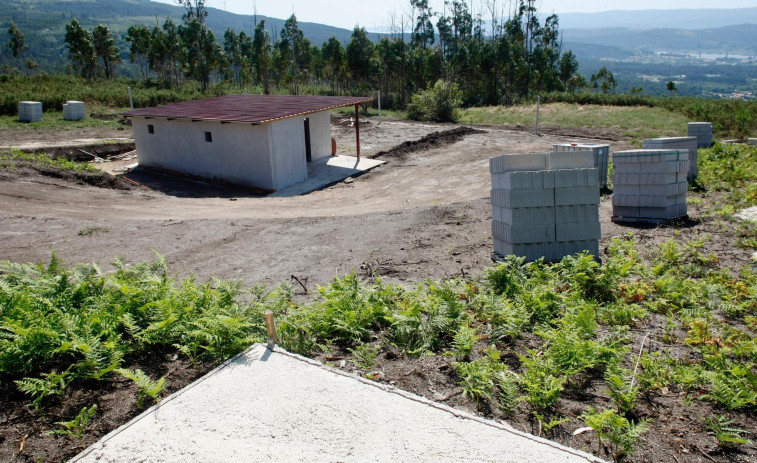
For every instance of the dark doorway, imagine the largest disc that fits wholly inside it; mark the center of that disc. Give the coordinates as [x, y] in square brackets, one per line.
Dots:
[308, 152]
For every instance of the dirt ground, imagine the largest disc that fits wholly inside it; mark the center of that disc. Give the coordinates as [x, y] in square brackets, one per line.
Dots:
[425, 214]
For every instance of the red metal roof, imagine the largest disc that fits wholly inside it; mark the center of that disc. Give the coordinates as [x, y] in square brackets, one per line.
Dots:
[255, 109]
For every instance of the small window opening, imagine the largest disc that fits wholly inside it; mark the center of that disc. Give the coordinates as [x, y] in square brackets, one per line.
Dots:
[208, 137]
[150, 128]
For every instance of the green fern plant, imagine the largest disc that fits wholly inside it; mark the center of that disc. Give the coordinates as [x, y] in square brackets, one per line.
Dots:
[621, 433]
[147, 386]
[76, 427]
[50, 384]
[365, 355]
[464, 340]
[729, 436]
[508, 393]
[621, 389]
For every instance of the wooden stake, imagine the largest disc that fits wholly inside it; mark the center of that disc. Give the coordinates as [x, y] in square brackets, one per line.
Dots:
[357, 129]
[271, 327]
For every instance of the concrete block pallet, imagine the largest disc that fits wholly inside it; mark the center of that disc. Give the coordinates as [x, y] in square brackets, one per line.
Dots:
[73, 110]
[29, 111]
[650, 185]
[543, 208]
[601, 155]
[688, 143]
[703, 132]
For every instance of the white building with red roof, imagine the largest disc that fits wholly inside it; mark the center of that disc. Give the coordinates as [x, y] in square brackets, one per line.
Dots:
[260, 141]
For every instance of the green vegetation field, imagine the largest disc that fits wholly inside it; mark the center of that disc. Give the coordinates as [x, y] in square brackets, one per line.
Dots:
[636, 122]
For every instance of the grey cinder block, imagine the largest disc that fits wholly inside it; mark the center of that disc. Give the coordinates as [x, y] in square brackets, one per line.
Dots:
[601, 155]
[29, 111]
[753, 141]
[524, 215]
[532, 180]
[523, 234]
[672, 189]
[575, 177]
[581, 213]
[570, 160]
[576, 195]
[523, 198]
[649, 156]
[578, 231]
[672, 167]
[517, 162]
[647, 201]
[73, 111]
[645, 179]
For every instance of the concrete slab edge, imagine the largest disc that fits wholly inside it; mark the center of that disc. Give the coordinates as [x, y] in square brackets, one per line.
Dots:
[455, 412]
[163, 402]
[383, 387]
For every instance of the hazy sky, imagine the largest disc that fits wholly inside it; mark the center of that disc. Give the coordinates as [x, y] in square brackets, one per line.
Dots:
[373, 14]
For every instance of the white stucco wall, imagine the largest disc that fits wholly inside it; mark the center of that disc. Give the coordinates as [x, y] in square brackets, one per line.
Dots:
[320, 135]
[269, 156]
[289, 158]
[239, 153]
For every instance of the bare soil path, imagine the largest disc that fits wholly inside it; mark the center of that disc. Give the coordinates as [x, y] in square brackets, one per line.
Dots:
[422, 215]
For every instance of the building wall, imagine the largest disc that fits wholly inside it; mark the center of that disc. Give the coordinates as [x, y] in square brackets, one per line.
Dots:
[269, 156]
[320, 135]
[239, 153]
[289, 158]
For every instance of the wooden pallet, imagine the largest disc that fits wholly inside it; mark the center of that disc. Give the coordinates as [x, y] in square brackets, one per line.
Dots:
[617, 219]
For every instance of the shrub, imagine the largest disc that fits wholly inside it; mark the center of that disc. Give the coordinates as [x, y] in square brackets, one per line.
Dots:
[438, 104]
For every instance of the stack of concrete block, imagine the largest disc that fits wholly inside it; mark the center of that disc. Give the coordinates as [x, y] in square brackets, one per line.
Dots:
[73, 110]
[601, 156]
[29, 111]
[649, 186]
[691, 144]
[753, 141]
[703, 132]
[545, 205]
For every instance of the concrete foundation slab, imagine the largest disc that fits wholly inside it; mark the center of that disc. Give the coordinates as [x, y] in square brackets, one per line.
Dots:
[327, 171]
[269, 405]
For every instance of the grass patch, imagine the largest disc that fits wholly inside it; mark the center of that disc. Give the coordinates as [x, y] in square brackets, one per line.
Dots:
[53, 120]
[16, 158]
[636, 122]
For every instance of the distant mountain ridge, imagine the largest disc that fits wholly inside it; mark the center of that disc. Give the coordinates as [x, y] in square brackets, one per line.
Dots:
[656, 19]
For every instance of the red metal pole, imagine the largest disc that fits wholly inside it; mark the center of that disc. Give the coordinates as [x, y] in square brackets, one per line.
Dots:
[357, 128]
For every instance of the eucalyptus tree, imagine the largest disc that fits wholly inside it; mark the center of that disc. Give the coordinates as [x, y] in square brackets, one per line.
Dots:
[106, 49]
[81, 49]
[261, 56]
[139, 39]
[334, 59]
